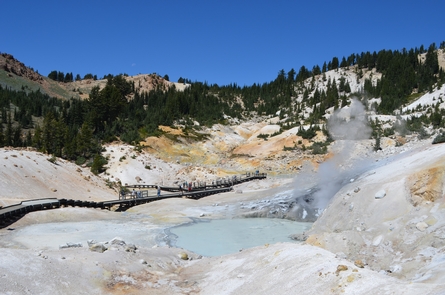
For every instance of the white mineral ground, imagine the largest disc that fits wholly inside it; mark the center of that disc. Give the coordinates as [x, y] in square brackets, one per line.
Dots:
[381, 233]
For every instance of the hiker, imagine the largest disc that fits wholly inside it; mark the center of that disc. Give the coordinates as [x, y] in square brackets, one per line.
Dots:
[159, 191]
[133, 194]
[190, 186]
[122, 194]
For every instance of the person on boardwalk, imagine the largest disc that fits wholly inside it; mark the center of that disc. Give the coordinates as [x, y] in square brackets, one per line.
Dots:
[159, 191]
[122, 194]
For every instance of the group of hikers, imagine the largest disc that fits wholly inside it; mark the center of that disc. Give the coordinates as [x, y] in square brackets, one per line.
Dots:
[186, 186]
[136, 194]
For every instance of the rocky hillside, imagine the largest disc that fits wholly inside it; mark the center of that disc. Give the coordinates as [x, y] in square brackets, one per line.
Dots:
[16, 75]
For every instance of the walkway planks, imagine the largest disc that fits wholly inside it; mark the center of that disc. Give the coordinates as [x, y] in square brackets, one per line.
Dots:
[10, 214]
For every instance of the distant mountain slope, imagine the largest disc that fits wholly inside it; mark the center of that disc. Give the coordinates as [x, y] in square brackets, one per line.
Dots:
[17, 76]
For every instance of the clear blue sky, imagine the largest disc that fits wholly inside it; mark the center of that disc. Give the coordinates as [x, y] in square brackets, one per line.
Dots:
[214, 41]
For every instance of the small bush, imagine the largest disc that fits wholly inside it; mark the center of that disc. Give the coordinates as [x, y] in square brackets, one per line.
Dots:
[276, 133]
[109, 183]
[53, 159]
[387, 132]
[423, 134]
[309, 133]
[289, 148]
[98, 164]
[377, 146]
[439, 138]
[263, 136]
[80, 161]
[319, 148]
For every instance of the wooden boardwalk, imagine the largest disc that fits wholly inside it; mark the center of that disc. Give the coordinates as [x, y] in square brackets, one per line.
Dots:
[11, 214]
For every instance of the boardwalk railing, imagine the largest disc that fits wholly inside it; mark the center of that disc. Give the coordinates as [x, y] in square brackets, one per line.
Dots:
[10, 214]
[192, 186]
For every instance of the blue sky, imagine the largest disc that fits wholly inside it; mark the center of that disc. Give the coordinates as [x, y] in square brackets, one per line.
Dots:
[220, 42]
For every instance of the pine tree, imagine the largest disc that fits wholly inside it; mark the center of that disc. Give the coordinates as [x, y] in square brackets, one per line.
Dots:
[335, 63]
[85, 141]
[4, 116]
[17, 137]
[60, 77]
[291, 75]
[53, 75]
[2, 136]
[98, 164]
[9, 131]
[28, 139]
[37, 140]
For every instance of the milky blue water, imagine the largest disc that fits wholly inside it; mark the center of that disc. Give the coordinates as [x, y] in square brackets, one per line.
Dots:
[225, 236]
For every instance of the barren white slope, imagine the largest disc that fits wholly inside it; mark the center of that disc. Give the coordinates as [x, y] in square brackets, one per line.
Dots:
[391, 218]
[386, 234]
[27, 175]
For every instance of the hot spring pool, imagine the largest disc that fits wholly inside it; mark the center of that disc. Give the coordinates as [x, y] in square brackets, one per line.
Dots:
[225, 236]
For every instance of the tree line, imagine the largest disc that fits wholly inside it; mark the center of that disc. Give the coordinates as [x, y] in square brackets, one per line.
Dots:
[75, 129]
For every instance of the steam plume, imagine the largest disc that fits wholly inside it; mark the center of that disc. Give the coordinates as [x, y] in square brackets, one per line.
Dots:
[345, 126]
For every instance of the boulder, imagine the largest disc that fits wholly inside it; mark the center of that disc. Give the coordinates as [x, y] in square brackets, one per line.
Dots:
[299, 237]
[359, 263]
[183, 256]
[98, 247]
[117, 241]
[341, 267]
[91, 242]
[130, 248]
[380, 194]
[422, 226]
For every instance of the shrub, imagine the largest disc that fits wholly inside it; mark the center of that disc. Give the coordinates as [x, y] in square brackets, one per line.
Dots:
[377, 146]
[309, 133]
[319, 148]
[263, 136]
[289, 148]
[98, 164]
[80, 161]
[439, 138]
[53, 159]
[423, 134]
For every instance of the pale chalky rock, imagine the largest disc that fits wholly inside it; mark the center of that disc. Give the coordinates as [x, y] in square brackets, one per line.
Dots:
[70, 245]
[380, 194]
[422, 226]
[183, 256]
[359, 263]
[117, 241]
[99, 247]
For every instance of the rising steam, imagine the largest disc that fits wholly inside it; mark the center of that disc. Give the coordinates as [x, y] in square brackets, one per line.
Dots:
[345, 126]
